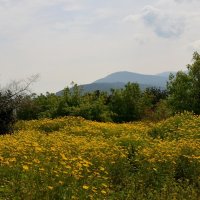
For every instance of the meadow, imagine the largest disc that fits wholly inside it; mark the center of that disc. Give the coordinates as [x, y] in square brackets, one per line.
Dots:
[72, 158]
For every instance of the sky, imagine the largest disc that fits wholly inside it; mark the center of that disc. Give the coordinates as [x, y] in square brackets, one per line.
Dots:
[84, 40]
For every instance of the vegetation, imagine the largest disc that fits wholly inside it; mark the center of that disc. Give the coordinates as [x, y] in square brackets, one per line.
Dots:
[7, 119]
[11, 98]
[71, 158]
[121, 105]
[58, 154]
[184, 88]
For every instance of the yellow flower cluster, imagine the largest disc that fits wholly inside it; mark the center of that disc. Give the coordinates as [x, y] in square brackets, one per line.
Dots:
[72, 158]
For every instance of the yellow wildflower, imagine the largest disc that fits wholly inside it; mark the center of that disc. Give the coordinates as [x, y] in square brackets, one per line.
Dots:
[61, 182]
[36, 161]
[102, 168]
[103, 192]
[50, 187]
[63, 156]
[85, 187]
[25, 167]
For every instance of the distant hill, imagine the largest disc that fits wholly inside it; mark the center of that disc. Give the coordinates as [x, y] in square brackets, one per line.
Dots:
[166, 74]
[106, 87]
[102, 86]
[118, 80]
[125, 77]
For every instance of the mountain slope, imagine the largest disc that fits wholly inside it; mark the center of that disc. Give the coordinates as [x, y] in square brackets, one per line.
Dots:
[125, 77]
[118, 80]
[106, 87]
[166, 74]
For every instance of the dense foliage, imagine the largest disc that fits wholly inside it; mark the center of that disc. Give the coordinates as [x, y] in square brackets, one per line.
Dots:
[121, 105]
[7, 107]
[184, 88]
[71, 158]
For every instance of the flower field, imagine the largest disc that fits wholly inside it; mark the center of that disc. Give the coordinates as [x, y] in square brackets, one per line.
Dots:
[72, 158]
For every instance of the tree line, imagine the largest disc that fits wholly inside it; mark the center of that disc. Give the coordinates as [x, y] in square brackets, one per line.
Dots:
[120, 105]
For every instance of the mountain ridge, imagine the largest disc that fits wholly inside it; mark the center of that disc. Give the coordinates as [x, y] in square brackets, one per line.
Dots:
[125, 77]
[118, 80]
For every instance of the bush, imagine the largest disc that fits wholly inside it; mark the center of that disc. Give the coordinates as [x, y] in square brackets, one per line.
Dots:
[7, 118]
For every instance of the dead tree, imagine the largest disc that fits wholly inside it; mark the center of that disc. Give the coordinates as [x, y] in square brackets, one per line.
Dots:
[10, 99]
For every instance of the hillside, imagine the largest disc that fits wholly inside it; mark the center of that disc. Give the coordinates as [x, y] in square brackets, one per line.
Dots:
[118, 80]
[124, 77]
[166, 74]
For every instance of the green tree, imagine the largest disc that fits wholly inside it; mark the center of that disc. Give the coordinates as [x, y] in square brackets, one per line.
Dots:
[155, 94]
[184, 88]
[125, 103]
[28, 108]
[47, 105]
[151, 101]
[70, 100]
[94, 107]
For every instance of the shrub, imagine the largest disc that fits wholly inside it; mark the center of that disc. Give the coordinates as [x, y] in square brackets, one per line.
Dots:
[7, 118]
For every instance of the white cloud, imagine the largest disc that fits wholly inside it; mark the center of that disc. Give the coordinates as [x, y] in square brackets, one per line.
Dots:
[163, 23]
[20, 16]
[104, 13]
[132, 18]
[71, 5]
[186, 1]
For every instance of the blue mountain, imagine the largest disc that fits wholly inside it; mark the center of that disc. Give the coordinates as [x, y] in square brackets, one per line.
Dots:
[118, 80]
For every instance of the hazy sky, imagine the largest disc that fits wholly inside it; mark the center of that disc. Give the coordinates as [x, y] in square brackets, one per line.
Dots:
[83, 40]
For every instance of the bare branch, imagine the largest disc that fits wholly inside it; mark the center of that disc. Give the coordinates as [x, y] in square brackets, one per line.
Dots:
[21, 86]
[18, 88]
